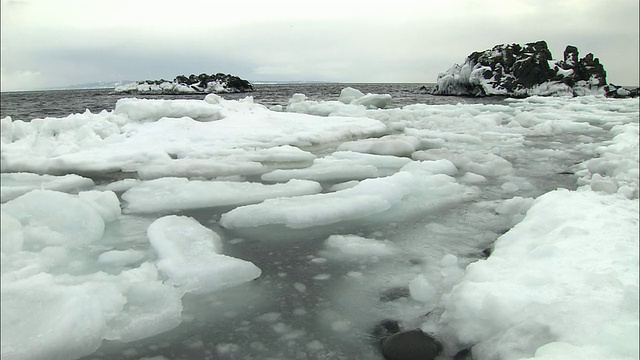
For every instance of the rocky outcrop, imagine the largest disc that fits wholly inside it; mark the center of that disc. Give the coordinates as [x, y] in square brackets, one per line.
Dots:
[193, 84]
[615, 91]
[519, 71]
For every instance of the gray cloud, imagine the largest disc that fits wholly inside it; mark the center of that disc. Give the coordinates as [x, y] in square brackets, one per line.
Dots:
[412, 44]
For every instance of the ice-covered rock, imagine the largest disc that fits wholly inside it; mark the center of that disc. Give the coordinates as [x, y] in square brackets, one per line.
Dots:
[619, 92]
[519, 71]
[203, 83]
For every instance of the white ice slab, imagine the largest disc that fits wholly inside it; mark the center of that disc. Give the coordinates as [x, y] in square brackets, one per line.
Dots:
[370, 196]
[562, 282]
[174, 194]
[189, 256]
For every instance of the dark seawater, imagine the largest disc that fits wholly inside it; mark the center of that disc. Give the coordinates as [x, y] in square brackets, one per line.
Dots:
[27, 105]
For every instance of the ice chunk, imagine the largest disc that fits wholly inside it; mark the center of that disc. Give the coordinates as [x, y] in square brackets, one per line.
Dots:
[13, 185]
[344, 185]
[353, 96]
[172, 194]
[379, 161]
[106, 203]
[490, 165]
[616, 170]
[11, 236]
[349, 94]
[373, 101]
[366, 198]
[325, 169]
[422, 290]
[32, 327]
[152, 308]
[471, 178]
[397, 145]
[189, 256]
[352, 246]
[572, 262]
[129, 306]
[203, 168]
[299, 104]
[55, 218]
[342, 166]
[155, 109]
[121, 257]
[515, 208]
[370, 196]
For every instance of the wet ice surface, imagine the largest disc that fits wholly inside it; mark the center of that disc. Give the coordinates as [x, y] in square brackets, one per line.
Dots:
[444, 182]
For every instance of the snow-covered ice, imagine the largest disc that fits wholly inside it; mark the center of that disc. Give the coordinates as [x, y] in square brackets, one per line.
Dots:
[16, 184]
[563, 282]
[190, 256]
[290, 234]
[174, 194]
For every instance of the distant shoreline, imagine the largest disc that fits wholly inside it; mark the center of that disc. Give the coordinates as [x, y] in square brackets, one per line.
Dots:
[259, 83]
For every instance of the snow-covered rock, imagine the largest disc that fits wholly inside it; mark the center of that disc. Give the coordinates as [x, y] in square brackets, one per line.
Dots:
[519, 71]
[203, 83]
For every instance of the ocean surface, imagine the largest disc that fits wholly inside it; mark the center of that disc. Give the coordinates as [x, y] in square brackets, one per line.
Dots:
[27, 105]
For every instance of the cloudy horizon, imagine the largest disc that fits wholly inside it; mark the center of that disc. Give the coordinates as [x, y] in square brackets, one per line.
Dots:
[56, 43]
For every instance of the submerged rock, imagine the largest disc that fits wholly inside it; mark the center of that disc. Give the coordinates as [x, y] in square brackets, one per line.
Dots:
[463, 355]
[395, 294]
[519, 71]
[411, 345]
[384, 329]
[200, 84]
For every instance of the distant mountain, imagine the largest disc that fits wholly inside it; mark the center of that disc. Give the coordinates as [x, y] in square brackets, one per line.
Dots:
[93, 85]
[277, 82]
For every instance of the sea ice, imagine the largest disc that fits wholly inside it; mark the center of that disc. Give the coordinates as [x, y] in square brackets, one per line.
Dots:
[416, 180]
[563, 282]
[154, 109]
[553, 284]
[13, 185]
[174, 194]
[55, 218]
[352, 246]
[190, 256]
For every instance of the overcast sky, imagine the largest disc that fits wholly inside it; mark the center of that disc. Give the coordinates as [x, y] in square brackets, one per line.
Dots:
[51, 43]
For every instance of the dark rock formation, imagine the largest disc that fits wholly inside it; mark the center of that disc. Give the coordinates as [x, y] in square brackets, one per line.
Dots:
[411, 345]
[519, 71]
[200, 84]
[615, 91]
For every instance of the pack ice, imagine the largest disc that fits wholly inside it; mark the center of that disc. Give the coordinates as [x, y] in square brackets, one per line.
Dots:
[86, 259]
